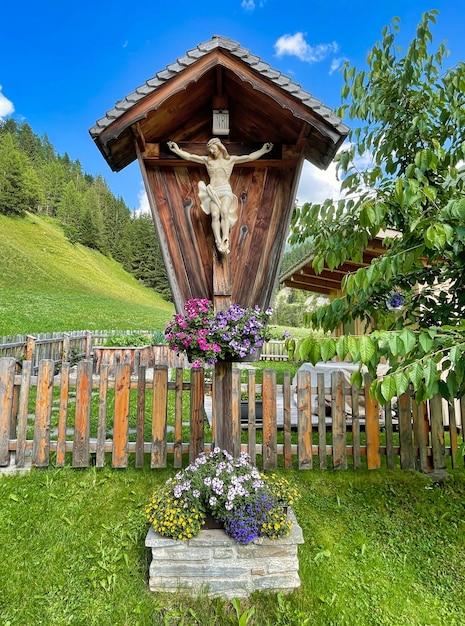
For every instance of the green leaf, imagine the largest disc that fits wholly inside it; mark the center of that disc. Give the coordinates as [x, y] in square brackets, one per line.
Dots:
[328, 349]
[425, 341]
[431, 372]
[388, 388]
[415, 373]
[367, 349]
[352, 346]
[408, 339]
[395, 344]
[402, 382]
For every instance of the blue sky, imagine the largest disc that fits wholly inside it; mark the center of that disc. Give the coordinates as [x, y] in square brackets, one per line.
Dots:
[64, 63]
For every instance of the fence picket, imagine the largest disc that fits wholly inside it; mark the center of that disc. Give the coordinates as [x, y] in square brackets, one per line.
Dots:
[178, 387]
[287, 424]
[407, 460]
[270, 440]
[339, 421]
[355, 406]
[7, 380]
[159, 423]
[321, 400]
[251, 416]
[196, 414]
[81, 446]
[121, 416]
[389, 436]
[372, 427]
[21, 429]
[437, 433]
[41, 447]
[236, 411]
[63, 415]
[140, 419]
[304, 420]
[102, 416]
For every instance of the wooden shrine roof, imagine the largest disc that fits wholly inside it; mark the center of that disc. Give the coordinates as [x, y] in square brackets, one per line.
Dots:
[177, 104]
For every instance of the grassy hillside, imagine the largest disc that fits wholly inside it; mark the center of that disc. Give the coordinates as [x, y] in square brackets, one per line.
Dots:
[48, 284]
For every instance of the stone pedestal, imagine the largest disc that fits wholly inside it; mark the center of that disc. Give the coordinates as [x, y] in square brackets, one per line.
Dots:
[216, 564]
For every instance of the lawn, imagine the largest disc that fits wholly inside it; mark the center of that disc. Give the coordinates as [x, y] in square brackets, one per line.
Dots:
[381, 548]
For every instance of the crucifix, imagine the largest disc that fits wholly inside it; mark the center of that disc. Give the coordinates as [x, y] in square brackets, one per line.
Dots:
[218, 200]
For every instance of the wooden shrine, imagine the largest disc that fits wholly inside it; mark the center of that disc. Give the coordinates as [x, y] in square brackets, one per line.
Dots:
[220, 90]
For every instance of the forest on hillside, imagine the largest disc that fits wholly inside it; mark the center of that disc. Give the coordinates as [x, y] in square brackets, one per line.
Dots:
[35, 179]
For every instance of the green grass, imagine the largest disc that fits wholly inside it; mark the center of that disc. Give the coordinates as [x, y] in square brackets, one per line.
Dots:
[381, 548]
[48, 284]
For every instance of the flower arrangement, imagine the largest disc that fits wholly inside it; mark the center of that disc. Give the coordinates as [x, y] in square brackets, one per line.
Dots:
[208, 336]
[232, 491]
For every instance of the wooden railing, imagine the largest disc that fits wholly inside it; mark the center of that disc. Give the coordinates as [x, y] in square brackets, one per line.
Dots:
[80, 419]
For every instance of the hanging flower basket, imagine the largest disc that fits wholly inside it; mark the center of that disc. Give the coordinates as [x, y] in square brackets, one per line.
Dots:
[208, 337]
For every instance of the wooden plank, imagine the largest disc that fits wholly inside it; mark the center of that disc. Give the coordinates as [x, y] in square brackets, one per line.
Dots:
[453, 431]
[304, 420]
[7, 380]
[178, 418]
[338, 422]
[140, 416]
[121, 416]
[102, 415]
[407, 459]
[437, 433]
[23, 409]
[321, 399]
[389, 436]
[159, 418]
[197, 414]
[252, 417]
[372, 427]
[355, 402]
[270, 437]
[419, 434]
[287, 420]
[63, 414]
[236, 412]
[43, 415]
[82, 414]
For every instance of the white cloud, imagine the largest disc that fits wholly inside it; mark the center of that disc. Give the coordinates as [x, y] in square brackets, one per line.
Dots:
[317, 185]
[336, 64]
[6, 106]
[249, 5]
[295, 45]
[144, 206]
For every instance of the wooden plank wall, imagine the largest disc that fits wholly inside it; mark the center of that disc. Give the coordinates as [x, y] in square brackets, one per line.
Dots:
[81, 419]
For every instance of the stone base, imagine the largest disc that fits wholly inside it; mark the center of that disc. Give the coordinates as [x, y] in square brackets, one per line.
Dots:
[219, 566]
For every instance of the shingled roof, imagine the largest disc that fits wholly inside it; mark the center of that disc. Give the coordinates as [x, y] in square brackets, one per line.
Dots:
[113, 124]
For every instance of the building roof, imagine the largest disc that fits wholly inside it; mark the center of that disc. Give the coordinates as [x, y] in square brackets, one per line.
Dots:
[246, 72]
[302, 275]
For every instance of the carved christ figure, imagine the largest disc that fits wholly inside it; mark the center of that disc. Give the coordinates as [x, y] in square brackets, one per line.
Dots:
[217, 198]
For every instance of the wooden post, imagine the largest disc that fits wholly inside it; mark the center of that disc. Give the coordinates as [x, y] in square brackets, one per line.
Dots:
[222, 396]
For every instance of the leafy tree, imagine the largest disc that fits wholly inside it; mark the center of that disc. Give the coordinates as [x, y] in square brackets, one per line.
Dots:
[402, 170]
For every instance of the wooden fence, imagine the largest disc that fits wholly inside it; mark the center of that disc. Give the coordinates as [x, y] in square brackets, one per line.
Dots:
[82, 419]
